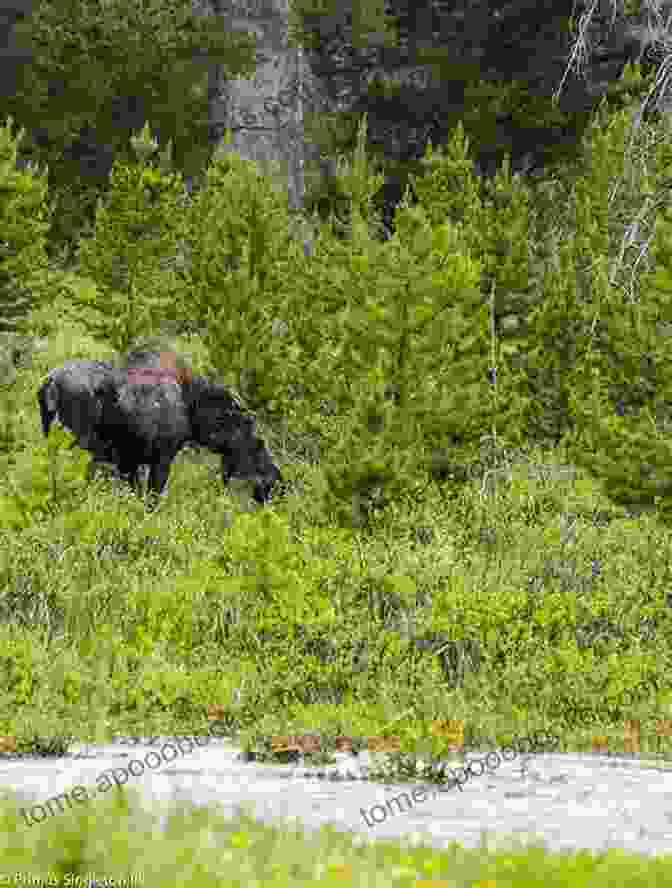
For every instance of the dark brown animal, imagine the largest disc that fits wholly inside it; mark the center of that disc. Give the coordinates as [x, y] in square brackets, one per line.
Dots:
[145, 412]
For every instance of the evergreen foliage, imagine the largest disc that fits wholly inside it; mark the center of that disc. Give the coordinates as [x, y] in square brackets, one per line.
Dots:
[91, 59]
[398, 314]
[87, 53]
[242, 260]
[494, 221]
[136, 233]
[615, 368]
[631, 452]
[24, 224]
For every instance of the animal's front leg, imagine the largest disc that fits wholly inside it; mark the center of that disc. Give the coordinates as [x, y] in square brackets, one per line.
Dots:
[158, 475]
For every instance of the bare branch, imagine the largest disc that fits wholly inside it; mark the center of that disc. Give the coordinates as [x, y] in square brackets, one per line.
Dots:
[580, 52]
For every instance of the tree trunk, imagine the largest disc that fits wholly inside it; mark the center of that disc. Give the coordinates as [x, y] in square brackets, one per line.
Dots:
[265, 113]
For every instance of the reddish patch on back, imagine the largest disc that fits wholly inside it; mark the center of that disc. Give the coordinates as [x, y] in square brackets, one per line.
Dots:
[169, 371]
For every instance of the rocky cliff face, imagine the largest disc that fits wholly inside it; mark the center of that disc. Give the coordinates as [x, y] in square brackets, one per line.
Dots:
[446, 54]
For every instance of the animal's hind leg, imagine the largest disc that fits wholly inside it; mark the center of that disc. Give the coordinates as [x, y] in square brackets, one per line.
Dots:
[48, 401]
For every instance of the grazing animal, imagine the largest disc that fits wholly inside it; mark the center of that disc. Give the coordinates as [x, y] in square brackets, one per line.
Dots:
[147, 411]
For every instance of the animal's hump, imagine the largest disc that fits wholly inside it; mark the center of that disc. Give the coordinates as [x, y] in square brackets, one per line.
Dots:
[148, 366]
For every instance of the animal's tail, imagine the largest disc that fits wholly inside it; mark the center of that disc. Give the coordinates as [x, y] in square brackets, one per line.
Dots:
[48, 398]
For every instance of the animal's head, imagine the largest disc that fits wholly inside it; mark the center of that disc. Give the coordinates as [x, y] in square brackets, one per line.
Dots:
[220, 423]
[248, 457]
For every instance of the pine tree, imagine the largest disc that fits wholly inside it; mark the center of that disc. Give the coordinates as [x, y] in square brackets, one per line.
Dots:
[24, 224]
[238, 235]
[629, 450]
[136, 233]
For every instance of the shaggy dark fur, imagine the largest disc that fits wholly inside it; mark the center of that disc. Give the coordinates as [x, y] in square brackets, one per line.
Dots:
[219, 423]
[69, 394]
[146, 412]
